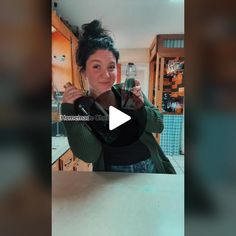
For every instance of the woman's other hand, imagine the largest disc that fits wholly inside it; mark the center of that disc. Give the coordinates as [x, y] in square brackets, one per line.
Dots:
[138, 95]
[71, 93]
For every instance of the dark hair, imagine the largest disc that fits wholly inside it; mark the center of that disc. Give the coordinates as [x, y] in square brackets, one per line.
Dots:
[93, 38]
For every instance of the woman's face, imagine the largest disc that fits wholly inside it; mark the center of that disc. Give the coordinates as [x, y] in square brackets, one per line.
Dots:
[101, 71]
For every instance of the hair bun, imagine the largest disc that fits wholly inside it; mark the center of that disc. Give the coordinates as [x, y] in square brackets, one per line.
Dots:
[94, 30]
[92, 38]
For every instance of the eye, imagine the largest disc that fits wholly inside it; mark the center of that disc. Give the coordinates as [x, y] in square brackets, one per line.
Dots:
[96, 66]
[112, 67]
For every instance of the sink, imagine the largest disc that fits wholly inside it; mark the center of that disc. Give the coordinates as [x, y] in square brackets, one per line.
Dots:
[59, 146]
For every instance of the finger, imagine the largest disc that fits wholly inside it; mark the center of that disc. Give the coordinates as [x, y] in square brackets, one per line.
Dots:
[136, 88]
[75, 93]
[71, 89]
[138, 100]
[137, 83]
[67, 85]
[137, 92]
[139, 96]
[75, 96]
[70, 98]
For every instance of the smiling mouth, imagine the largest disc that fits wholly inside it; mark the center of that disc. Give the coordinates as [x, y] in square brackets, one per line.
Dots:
[107, 82]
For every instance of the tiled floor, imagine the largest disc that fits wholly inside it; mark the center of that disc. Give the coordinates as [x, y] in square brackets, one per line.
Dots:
[178, 163]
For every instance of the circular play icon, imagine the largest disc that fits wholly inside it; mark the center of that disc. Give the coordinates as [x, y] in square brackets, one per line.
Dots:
[111, 122]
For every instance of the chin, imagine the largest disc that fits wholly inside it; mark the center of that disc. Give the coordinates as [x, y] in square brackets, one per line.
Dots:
[105, 87]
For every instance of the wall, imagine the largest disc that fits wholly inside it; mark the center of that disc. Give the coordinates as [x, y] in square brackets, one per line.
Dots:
[140, 57]
[136, 55]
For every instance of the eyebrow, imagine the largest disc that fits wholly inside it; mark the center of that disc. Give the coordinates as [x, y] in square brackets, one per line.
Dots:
[96, 60]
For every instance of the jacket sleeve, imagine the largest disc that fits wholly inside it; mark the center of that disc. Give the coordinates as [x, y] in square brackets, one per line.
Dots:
[81, 139]
[154, 123]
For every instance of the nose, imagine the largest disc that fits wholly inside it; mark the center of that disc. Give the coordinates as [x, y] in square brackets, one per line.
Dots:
[106, 74]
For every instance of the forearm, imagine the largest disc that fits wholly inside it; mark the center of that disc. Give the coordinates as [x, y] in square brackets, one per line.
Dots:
[154, 123]
[154, 120]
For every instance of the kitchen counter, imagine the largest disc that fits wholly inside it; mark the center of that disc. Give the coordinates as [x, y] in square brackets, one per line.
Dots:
[59, 146]
[115, 204]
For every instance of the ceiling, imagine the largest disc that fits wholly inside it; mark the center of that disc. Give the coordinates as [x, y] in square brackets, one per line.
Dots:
[134, 23]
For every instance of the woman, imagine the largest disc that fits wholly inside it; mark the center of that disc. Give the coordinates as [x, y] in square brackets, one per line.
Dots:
[98, 58]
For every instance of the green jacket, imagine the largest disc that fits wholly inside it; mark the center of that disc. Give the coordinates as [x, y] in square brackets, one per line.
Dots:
[88, 148]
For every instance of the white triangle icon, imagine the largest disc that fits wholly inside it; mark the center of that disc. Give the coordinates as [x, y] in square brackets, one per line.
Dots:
[116, 118]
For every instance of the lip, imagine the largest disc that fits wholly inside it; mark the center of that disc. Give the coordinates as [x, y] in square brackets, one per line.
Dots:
[105, 82]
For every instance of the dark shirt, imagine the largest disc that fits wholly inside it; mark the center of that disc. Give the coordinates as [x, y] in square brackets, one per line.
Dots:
[122, 154]
[126, 155]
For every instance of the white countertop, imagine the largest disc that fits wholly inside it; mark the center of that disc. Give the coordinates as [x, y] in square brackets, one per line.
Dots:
[59, 146]
[115, 204]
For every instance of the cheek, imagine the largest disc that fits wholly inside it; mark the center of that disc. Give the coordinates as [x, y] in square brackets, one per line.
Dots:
[92, 78]
[113, 76]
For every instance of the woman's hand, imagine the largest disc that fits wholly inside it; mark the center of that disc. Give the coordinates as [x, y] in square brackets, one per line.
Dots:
[71, 93]
[138, 95]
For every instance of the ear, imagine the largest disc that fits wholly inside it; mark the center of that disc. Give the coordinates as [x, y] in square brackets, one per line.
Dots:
[83, 73]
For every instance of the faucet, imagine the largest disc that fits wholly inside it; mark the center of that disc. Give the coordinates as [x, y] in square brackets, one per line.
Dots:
[57, 98]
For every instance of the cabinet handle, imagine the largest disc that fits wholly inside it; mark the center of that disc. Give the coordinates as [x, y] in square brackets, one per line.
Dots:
[68, 163]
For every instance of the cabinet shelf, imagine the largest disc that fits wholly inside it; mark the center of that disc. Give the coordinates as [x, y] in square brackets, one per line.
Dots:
[166, 83]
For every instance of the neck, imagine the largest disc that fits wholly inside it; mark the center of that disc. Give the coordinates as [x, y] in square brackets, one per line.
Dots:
[106, 99]
[95, 93]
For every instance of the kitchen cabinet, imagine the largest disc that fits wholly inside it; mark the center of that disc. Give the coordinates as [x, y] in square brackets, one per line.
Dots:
[166, 82]
[67, 161]
[64, 46]
[82, 166]
[63, 158]
[56, 166]
[166, 56]
[64, 69]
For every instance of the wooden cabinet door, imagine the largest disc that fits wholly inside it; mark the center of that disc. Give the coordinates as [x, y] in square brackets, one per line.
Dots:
[82, 166]
[61, 61]
[55, 166]
[66, 161]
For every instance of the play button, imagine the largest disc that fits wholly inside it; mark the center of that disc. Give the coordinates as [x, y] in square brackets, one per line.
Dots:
[117, 118]
[115, 126]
